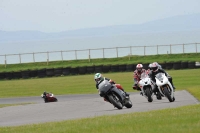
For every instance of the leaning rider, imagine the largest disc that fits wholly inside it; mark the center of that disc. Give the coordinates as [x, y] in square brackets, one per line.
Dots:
[98, 77]
[137, 75]
[155, 69]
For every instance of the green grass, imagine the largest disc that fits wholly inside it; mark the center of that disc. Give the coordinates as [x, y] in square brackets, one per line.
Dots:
[181, 120]
[105, 61]
[84, 84]
[178, 120]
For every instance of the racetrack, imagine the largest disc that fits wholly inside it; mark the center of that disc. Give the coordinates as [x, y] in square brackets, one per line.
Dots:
[79, 106]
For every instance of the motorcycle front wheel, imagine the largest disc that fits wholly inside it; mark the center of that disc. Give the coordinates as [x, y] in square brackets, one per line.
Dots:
[167, 94]
[148, 94]
[128, 103]
[115, 101]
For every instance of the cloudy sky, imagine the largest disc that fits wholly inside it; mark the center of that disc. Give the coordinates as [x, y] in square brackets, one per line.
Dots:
[63, 15]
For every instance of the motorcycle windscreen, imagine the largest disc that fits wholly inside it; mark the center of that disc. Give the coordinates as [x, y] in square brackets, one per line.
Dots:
[159, 76]
[144, 75]
[105, 86]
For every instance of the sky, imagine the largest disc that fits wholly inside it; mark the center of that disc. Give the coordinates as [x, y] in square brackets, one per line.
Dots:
[64, 15]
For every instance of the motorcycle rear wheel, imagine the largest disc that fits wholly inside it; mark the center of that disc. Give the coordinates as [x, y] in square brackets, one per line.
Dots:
[115, 101]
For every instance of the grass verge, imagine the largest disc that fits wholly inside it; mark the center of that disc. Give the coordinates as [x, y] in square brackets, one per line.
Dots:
[84, 84]
[180, 120]
[102, 61]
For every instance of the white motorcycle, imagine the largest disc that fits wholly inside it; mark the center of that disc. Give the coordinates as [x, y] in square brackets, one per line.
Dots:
[146, 87]
[164, 86]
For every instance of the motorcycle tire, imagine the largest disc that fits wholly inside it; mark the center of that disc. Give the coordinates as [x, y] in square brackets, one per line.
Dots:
[128, 103]
[56, 100]
[167, 94]
[158, 96]
[173, 99]
[148, 94]
[115, 101]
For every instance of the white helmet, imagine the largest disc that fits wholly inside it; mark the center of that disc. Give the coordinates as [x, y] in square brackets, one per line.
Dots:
[154, 67]
[150, 65]
[139, 67]
[98, 77]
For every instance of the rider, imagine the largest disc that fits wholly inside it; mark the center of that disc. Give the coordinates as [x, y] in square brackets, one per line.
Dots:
[47, 94]
[98, 77]
[137, 75]
[157, 69]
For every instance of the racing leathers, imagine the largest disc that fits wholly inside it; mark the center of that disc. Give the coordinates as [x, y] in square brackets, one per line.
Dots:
[136, 78]
[152, 76]
[112, 82]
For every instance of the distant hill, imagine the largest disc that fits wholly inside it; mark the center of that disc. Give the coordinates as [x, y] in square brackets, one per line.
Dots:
[176, 23]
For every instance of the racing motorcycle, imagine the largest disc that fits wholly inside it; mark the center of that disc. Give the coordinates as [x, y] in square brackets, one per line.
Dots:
[49, 97]
[164, 86]
[114, 95]
[146, 87]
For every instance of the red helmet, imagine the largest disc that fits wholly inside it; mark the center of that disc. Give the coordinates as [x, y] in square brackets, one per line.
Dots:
[139, 67]
[154, 67]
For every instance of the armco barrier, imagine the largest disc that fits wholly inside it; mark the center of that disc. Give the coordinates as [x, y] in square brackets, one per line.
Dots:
[169, 65]
[106, 68]
[74, 71]
[130, 67]
[66, 71]
[33, 73]
[177, 65]
[145, 65]
[9, 75]
[82, 70]
[58, 71]
[191, 64]
[98, 69]
[50, 72]
[90, 69]
[184, 64]
[25, 74]
[17, 75]
[2, 75]
[41, 73]
[163, 64]
[114, 68]
[122, 67]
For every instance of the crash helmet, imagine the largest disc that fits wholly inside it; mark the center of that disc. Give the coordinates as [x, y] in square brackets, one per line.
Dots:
[150, 65]
[98, 77]
[159, 66]
[154, 67]
[139, 67]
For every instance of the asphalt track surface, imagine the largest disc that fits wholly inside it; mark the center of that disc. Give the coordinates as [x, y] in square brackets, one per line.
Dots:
[79, 106]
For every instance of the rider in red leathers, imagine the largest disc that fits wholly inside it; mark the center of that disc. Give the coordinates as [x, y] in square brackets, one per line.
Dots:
[137, 75]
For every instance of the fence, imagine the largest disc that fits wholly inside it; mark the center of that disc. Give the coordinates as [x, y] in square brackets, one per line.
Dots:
[99, 53]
